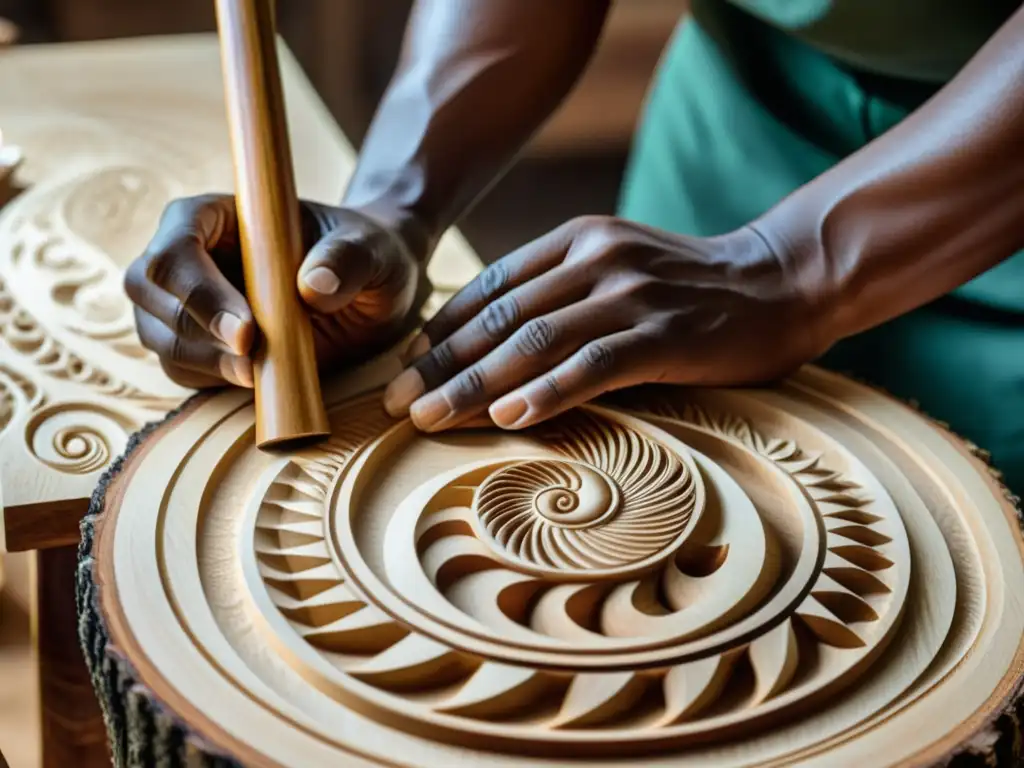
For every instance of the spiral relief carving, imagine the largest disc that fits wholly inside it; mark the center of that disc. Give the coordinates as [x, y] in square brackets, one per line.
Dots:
[77, 438]
[625, 499]
[608, 568]
[62, 304]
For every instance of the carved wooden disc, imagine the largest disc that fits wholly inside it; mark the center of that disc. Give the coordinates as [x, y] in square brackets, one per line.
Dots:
[812, 574]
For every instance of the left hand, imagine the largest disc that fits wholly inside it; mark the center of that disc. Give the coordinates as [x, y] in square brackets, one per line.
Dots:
[601, 304]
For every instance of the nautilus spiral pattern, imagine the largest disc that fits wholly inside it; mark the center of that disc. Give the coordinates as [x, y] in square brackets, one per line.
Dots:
[600, 540]
[616, 499]
[720, 577]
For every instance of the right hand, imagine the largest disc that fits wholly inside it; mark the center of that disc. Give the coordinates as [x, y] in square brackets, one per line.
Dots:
[360, 281]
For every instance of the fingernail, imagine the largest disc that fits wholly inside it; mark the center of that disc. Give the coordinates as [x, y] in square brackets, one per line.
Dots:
[322, 280]
[236, 370]
[243, 370]
[228, 328]
[418, 348]
[430, 412]
[402, 392]
[505, 413]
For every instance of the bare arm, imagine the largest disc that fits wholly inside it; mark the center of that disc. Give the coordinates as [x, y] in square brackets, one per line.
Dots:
[474, 82]
[603, 303]
[923, 209]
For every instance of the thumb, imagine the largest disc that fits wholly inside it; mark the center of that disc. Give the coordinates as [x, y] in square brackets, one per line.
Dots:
[335, 271]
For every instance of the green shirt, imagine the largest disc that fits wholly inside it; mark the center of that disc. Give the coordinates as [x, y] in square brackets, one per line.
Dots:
[755, 98]
[925, 40]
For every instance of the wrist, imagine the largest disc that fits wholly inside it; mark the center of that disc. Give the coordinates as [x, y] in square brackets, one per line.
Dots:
[416, 235]
[808, 285]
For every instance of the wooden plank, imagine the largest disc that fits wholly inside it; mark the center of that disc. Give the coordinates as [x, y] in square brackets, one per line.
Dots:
[71, 722]
[110, 132]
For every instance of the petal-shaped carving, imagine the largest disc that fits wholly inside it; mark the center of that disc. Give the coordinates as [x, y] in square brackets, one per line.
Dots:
[595, 698]
[826, 626]
[863, 557]
[774, 657]
[415, 662]
[321, 609]
[861, 534]
[690, 687]
[499, 690]
[368, 630]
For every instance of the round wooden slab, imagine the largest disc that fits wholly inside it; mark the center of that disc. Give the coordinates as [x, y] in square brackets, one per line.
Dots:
[811, 574]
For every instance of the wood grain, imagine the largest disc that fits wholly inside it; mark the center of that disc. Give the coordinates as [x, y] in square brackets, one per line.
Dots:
[109, 133]
[289, 404]
[811, 574]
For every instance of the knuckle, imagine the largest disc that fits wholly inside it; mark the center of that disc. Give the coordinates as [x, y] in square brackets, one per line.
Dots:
[596, 248]
[178, 207]
[166, 267]
[644, 289]
[181, 320]
[589, 222]
[555, 392]
[160, 267]
[597, 357]
[536, 337]
[470, 385]
[442, 357]
[437, 365]
[178, 352]
[492, 280]
[499, 317]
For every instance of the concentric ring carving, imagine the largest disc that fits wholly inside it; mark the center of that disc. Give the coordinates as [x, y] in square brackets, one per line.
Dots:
[478, 597]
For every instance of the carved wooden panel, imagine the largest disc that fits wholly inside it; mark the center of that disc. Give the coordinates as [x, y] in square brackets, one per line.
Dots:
[110, 132]
[811, 574]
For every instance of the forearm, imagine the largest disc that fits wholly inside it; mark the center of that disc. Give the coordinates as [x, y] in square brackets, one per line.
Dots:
[921, 210]
[474, 82]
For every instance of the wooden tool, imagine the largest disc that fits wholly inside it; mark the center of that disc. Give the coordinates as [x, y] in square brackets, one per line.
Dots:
[289, 404]
[811, 575]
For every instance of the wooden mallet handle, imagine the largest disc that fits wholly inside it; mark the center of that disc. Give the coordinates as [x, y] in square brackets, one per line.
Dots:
[289, 403]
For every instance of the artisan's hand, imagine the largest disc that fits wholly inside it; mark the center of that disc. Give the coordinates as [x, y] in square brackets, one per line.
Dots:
[600, 304]
[359, 280]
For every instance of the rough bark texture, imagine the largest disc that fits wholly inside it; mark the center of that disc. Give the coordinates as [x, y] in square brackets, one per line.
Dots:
[143, 733]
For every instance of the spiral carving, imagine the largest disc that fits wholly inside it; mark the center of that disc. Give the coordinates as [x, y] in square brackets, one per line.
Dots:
[617, 498]
[78, 439]
[85, 451]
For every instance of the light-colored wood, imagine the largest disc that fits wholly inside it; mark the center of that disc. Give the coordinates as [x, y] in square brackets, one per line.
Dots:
[811, 574]
[289, 404]
[110, 132]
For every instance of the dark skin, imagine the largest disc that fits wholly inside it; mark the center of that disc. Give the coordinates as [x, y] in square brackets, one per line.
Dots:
[599, 303]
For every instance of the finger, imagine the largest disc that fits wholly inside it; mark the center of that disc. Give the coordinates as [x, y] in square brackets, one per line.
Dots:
[561, 287]
[169, 311]
[620, 360]
[360, 257]
[178, 261]
[537, 347]
[515, 269]
[190, 379]
[178, 352]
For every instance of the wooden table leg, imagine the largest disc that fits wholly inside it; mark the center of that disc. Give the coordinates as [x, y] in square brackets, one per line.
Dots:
[72, 725]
